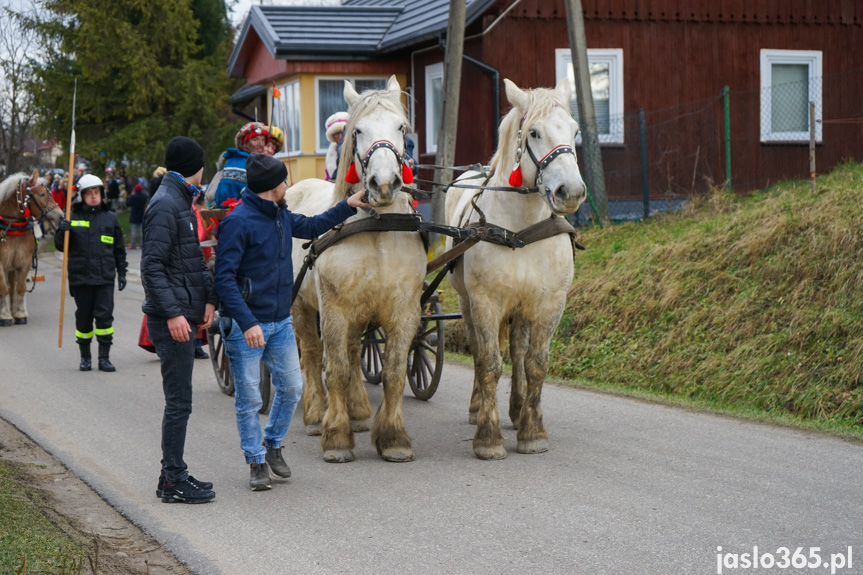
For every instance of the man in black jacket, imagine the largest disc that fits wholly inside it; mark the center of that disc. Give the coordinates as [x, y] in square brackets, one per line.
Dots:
[179, 299]
[95, 250]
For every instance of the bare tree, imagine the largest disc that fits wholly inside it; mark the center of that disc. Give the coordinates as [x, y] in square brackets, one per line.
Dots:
[16, 103]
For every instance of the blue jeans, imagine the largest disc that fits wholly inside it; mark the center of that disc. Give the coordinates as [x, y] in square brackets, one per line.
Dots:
[135, 235]
[280, 356]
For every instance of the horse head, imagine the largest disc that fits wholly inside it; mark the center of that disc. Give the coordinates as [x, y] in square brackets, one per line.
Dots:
[542, 125]
[37, 198]
[374, 152]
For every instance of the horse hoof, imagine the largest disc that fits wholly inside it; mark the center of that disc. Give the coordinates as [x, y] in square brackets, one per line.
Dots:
[398, 454]
[487, 453]
[359, 425]
[5, 322]
[532, 446]
[338, 455]
[20, 320]
[314, 429]
[471, 417]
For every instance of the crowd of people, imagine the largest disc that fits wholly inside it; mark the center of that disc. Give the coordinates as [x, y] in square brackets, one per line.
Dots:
[181, 294]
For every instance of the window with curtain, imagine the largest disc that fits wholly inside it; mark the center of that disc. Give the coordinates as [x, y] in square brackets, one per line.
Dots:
[790, 79]
[606, 85]
[286, 115]
[331, 100]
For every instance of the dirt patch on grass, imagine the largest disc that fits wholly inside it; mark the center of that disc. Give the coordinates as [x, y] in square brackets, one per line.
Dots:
[78, 511]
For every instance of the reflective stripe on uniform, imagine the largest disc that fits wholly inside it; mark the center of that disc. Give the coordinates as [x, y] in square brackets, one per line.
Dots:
[106, 331]
[82, 335]
[80, 223]
[107, 239]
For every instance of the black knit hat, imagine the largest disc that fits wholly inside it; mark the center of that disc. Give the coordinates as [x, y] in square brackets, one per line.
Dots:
[184, 156]
[264, 173]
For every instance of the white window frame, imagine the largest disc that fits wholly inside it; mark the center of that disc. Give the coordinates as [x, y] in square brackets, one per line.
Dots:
[614, 58]
[812, 59]
[433, 71]
[285, 152]
[321, 147]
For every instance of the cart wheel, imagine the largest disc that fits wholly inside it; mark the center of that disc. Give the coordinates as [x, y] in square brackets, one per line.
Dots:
[222, 369]
[425, 358]
[221, 363]
[371, 354]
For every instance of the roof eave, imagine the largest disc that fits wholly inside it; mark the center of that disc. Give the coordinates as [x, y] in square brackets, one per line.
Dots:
[265, 32]
[474, 11]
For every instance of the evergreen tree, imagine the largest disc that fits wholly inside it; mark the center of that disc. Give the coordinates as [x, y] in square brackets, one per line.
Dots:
[147, 70]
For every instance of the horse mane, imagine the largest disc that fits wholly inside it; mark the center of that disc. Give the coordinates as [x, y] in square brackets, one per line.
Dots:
[369, 100]
[10, 185]
[541, 101]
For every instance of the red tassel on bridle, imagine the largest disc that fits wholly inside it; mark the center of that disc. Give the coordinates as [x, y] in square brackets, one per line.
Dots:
[407, 174]
[515, 177]
[352, 177]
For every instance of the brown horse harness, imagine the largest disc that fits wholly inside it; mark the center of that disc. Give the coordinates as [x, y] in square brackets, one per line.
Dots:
[465, 238]
[25, 223]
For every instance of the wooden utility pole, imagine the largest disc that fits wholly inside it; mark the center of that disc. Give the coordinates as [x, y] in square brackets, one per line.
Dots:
[449, 113]
[586, 112]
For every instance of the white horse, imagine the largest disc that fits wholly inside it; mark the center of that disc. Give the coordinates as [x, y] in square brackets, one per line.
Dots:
[369, 277]
[522, 291]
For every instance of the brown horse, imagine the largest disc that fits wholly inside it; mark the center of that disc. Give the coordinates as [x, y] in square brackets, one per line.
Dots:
[24, 203]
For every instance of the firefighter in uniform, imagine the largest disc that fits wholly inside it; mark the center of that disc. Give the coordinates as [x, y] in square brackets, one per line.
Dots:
[96, 250]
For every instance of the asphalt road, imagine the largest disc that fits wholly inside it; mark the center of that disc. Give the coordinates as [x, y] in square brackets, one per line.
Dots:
[627, 487]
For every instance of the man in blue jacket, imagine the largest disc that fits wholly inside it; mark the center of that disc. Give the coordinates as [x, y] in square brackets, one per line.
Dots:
[253, 278]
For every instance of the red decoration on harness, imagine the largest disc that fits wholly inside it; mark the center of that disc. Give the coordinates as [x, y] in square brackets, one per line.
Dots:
[27, 212]
[407, 174]
[230, 203]
[515, 178]
[352, 177]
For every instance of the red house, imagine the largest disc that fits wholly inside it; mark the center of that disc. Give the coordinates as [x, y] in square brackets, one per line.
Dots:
[670, 59]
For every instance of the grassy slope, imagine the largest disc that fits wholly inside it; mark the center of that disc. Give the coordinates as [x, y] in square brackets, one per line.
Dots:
[744, 304]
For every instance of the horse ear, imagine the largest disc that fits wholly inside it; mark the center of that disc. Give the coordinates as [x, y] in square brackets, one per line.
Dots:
[564, 90]
[393, 84]
[515, 95]
[34, 178]
[350, 94]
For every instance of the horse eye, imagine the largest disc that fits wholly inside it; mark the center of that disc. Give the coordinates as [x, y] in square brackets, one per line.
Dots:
[358, 131]
[534, 134]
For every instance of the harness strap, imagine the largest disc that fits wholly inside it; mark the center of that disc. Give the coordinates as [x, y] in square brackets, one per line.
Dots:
[452, 254]
[545, 229]
[14, 227]
[553, 226]
[383, 223]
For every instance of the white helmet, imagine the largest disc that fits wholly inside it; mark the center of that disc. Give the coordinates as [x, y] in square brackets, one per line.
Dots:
[89, 181]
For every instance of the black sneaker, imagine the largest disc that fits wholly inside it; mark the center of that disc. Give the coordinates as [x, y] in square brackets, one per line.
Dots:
[277, 462]
[186, 492]
[205, 485]
[201, 354]
[260, 477]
